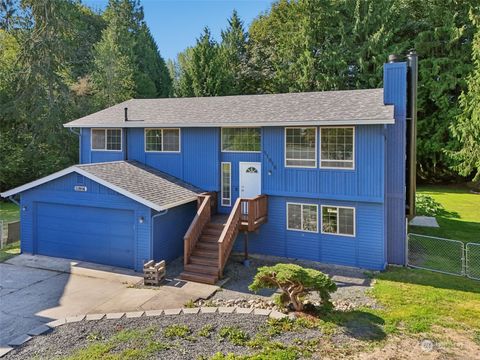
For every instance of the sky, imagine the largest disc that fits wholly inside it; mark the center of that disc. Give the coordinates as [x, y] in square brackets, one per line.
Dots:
[176, 24]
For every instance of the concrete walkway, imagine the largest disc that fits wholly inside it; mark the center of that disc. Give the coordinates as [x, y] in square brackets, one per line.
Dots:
[37, 289]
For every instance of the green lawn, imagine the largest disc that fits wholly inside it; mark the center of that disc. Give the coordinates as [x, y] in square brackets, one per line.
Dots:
[461, 218]
[9, 251]
[9, 212]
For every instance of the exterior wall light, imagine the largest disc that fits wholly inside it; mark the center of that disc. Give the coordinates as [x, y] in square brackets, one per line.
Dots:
[141, 219]
[24, 208]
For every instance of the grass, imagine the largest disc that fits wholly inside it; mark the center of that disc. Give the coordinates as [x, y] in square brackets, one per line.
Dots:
[416, 301]
[9, 212]
[461, 218]
[9, 251]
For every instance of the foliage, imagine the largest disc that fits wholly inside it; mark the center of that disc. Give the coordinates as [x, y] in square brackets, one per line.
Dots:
[295, 282]
[233, 334]
[9, 251]
[426, 205]
[9, 212]
[177, 331]
[467, 128]
[206, 330]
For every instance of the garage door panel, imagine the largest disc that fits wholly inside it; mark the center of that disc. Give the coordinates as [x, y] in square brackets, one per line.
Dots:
[86, 233]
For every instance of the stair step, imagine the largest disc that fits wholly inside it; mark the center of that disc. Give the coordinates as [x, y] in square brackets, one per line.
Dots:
[213, 225]
[212, 254]
[212, 231]
[205, 245]
[201, 278]
[202, 260]
[202, 269]
[209, 238]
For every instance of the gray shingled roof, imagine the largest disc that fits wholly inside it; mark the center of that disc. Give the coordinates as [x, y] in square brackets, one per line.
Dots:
[157, 190]
[344, 107]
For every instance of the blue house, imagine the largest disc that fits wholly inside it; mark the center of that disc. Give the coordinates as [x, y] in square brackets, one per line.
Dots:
[320, 175]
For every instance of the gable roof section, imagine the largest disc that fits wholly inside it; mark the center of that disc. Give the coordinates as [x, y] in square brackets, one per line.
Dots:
[143, 184]
[346, 107]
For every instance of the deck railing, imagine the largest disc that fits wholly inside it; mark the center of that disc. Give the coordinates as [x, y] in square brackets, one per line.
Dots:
[195, 230]
[229, 233]
[254, 211]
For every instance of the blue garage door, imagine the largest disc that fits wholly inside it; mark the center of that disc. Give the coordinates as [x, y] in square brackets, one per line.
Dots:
[99, 235]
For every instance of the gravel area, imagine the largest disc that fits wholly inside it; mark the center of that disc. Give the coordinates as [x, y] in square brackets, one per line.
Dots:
[71, 338]
[352, 283]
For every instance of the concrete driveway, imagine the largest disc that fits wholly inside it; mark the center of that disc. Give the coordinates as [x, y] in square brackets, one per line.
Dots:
[37, 289]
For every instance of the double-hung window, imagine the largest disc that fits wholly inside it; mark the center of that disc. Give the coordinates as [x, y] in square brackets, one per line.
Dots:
[162, 140]
[107, 139]
[226, 184]
[241, 139]
[301, 147]
[337, 146]
[302, 217]
[338, 220]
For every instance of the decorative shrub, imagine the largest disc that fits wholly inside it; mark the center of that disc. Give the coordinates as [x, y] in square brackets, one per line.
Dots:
[295, 282]
[427, 206]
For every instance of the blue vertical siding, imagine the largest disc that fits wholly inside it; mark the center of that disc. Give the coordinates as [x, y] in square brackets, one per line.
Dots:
[169, 230]
[61, 191]
[395, 92]
[366, 249]
[364, 183]
[92, 156]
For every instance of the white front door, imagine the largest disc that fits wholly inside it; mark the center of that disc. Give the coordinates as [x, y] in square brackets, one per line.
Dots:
[250, 179]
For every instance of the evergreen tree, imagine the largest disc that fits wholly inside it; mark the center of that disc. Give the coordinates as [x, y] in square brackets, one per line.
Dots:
[233, 55]
[467, 128]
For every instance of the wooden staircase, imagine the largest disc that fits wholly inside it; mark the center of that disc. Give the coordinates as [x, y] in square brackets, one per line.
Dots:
[209, 240]
[203, 262]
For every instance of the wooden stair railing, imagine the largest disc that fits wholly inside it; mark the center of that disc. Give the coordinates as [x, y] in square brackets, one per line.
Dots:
[257, 209]
[229, 233]
[196, 227]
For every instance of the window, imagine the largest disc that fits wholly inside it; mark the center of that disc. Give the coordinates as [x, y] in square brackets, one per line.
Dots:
[301, 147]
[162, 140]
[226, 184]
[338, 220]
[337, 147]
[107, 139]
[302, 217]
[241, 139]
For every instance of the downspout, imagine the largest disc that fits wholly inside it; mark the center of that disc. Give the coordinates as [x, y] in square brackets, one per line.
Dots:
[412, 62]
[161, 213]
[125, 156]
[14, 201]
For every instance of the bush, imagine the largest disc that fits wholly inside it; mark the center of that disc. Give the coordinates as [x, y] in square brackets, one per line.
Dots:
[427, 206]
[295, 282]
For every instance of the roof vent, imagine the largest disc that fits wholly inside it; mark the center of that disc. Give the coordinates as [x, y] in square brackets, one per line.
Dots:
[126, 114]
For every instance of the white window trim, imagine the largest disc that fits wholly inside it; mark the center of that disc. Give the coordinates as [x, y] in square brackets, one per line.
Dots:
[229, 184]
[353, 153]
[239, 127]
[162, 151]
[285, 148]
[338, 227]
[301, 217]
[105, 148]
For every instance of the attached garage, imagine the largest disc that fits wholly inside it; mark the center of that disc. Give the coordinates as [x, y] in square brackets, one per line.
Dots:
[106, 213]
[86, 233]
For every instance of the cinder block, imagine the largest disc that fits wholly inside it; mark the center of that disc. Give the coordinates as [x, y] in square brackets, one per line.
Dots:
[191, 310]
[263, 312]
[74, 319]
[39, 330]
[19, 340]
[114, 316]
[208, 310]
[226, 309]
[240, 310]
[134, 314]
[55, 323]
[94, 317]
[153, 312]
[172, 311]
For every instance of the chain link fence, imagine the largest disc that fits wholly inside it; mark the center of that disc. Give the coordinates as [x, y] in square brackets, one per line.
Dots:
[472, 261]
[444, 255]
